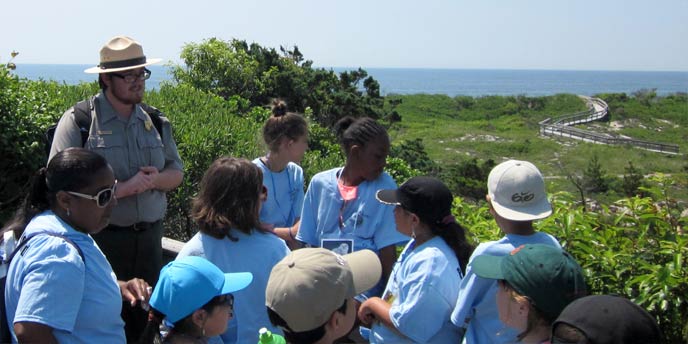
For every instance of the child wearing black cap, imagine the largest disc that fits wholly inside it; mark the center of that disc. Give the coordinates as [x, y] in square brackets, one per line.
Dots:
[605, 319]
[422, 288]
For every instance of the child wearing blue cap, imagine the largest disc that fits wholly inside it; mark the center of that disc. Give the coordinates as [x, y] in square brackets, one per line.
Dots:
[194, 295]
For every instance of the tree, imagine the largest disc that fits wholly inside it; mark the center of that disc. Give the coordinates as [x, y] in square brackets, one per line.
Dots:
[413, 152]
[219, 67]
[259, 74]
[632, 180]
[468, 178]
[594, 177]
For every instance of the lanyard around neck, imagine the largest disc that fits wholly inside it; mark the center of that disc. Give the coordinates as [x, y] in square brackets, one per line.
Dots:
[288, 219]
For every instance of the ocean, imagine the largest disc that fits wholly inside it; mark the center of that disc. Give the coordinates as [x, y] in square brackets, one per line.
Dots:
[452, 82]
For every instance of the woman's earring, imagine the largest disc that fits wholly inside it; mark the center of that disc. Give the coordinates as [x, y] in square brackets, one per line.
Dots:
[68, 212]
[413, 232]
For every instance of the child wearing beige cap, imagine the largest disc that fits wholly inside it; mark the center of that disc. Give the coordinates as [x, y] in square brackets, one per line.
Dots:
[310, 293]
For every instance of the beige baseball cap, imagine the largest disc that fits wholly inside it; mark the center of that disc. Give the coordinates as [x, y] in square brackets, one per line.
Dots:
[309, 284]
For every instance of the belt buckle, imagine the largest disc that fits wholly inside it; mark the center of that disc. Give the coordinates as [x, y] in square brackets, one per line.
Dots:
[138, 227]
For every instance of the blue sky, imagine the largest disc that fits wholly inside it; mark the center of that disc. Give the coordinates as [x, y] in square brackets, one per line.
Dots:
[488, 34]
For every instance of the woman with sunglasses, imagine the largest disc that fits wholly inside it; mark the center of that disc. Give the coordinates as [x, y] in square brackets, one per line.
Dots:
[60, 291]
[226, 211]
[194, 295]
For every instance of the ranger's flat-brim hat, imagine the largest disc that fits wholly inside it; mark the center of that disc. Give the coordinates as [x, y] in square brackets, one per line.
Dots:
[121, 53]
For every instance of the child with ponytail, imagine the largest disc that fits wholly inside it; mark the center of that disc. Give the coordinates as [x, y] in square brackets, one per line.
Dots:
[286, 136]
[423, 287]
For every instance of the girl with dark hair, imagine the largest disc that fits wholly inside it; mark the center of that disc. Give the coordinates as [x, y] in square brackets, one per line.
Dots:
[60, 291]
[231, 237]
[286, 136]
[340, 211]
[194, 295]
[426, 277]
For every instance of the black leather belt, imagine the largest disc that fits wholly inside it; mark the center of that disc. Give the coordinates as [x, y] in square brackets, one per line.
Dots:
[137, 227]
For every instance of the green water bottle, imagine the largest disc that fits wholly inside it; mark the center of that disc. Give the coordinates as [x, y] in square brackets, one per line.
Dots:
[267, 337]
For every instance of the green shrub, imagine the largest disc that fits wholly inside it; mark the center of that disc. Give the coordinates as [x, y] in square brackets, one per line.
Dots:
[206, 127]
[629, 248]
[258, 74]
[27, 109]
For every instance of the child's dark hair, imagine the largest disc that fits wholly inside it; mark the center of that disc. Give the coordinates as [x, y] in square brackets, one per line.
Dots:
[228, 198]
[455, 236]
[359, 131]
[306, 337]
[282, 124]
[69, 170]
[185, 325]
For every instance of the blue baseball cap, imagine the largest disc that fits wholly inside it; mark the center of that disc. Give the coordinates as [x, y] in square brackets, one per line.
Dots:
[188, 283]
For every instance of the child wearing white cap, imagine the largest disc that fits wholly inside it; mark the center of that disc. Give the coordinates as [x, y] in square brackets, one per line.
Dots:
[516, 197]
[194, 295]
[310, 293]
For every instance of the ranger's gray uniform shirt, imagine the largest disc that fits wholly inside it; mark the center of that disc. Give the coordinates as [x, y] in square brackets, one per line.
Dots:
[126, 145]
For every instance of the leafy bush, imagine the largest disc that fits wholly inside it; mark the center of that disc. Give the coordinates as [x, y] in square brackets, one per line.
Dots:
[468, 178]
[413, 152]
[27, 109]
[629, 248]
[235, 68]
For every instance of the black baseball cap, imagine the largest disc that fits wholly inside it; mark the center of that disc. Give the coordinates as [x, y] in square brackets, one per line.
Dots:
[608, 319]
[426, 197]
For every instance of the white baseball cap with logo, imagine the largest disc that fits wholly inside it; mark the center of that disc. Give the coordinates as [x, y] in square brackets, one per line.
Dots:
[517, 191]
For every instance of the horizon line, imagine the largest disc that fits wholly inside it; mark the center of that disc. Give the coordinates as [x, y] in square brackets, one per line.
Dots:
[427, 68]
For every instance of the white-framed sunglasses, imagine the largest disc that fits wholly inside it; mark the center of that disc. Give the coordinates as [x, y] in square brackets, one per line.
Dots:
[102, 198]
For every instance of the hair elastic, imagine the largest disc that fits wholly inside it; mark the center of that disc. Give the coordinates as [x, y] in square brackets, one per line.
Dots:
[448, 219]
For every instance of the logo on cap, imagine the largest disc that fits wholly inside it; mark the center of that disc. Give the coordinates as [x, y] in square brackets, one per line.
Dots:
[522, 197]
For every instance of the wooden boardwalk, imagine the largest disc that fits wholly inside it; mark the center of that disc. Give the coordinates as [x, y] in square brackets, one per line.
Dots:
[562, 126]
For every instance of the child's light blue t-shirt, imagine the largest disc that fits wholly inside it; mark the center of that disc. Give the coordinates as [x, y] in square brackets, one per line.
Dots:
[49, 283]
[285, 194]
[366, 221]
[422, 289]
[476, 310]
[256, 253]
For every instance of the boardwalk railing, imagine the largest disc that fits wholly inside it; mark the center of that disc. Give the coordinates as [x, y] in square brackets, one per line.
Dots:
[170, 248]
[562, 126]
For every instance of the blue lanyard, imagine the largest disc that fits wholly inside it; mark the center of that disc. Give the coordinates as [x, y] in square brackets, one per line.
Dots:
[289, 219]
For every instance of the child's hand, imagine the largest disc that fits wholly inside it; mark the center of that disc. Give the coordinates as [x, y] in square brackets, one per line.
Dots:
[365, 313]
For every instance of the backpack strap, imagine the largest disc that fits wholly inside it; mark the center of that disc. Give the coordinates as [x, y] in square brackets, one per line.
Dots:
[155, 116]
[25, 240]
[83, 117]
